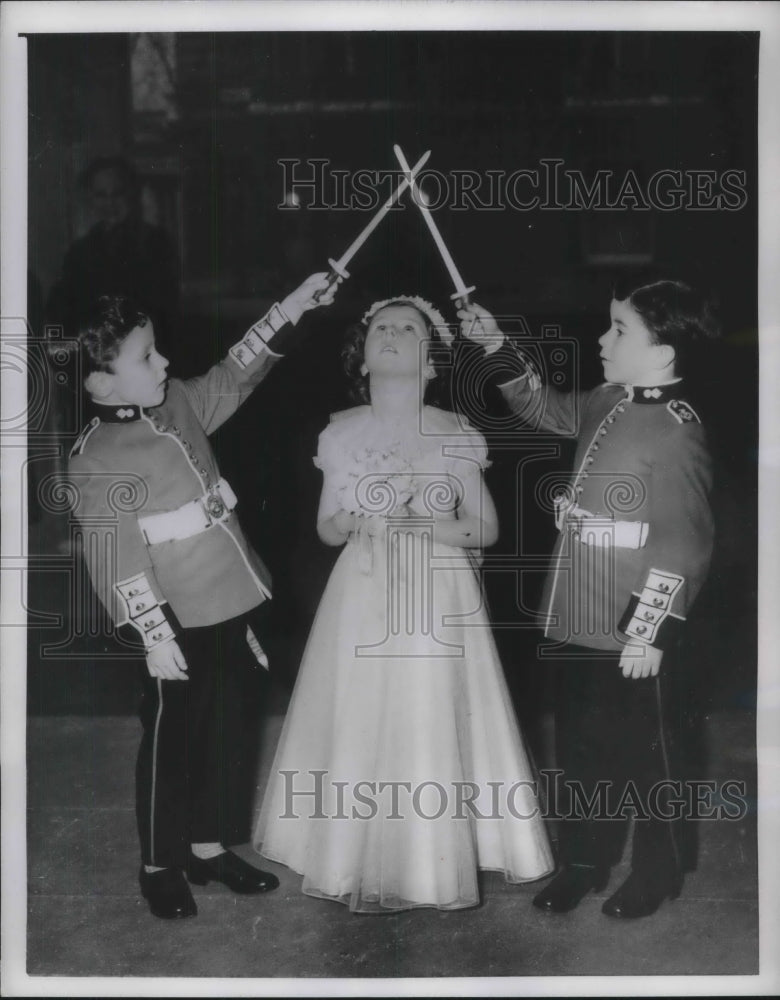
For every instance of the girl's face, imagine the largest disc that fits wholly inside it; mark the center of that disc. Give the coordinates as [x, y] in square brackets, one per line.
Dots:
[628, 351]
[393, 341]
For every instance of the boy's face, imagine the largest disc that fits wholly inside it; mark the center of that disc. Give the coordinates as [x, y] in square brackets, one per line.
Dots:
[138, 375]
[628, 353]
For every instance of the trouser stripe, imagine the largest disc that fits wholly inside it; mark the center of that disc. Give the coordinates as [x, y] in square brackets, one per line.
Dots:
[154, 766]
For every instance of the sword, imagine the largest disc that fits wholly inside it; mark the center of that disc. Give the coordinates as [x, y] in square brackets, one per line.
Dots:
[338, 267]
[461, 295]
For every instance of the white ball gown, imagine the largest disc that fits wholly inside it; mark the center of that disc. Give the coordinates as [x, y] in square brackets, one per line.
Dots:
[400, 770]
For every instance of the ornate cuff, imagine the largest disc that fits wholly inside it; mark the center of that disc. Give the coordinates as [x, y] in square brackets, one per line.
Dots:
[510, 363]
[144, 612]
[648, 617]
[260, 337]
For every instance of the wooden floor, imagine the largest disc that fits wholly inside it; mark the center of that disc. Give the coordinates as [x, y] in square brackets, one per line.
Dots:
[86, 917]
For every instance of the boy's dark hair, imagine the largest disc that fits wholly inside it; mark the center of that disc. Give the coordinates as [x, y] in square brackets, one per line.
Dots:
[104, 328]
[674, 312]
[438, 389]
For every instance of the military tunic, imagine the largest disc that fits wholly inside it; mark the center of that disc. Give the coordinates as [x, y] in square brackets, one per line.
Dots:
[636, 529]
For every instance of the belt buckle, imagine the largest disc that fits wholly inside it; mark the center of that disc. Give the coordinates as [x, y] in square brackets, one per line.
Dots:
[215, 507]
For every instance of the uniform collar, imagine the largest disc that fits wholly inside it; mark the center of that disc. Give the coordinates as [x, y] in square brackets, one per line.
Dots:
[653, 393]
[116, 414]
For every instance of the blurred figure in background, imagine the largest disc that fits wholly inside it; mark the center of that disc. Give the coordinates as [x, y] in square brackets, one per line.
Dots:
[120, 254]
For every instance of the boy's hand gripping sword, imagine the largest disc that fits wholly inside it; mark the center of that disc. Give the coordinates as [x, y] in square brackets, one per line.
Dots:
[338, 267]
[461, 295]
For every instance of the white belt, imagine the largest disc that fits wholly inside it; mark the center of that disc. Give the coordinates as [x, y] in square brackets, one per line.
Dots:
[602, 531]
[191, 518]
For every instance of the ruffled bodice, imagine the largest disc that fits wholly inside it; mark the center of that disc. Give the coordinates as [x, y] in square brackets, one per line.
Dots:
[371, 467]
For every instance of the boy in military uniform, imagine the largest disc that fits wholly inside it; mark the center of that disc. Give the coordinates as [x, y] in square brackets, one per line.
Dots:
[634, 546]
[168, 559]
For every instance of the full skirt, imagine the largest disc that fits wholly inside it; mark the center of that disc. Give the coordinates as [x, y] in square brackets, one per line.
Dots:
[400, 770]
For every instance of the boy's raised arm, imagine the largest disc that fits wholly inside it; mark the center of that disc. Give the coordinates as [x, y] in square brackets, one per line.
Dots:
[511, 369]
[217, 395]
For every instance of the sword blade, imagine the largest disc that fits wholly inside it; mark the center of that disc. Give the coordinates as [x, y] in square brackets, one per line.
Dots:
[358, 242]
[461, 291]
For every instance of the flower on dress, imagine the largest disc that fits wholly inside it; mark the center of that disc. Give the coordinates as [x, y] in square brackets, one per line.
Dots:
[376, 481]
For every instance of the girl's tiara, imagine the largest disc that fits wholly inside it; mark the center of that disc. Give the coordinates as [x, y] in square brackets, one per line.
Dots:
[435, 318]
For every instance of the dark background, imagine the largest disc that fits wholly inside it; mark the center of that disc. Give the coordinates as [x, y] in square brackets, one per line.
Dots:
[480, 101]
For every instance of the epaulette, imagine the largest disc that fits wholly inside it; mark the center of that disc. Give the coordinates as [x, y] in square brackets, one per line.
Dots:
[81, 440]
[682, 412]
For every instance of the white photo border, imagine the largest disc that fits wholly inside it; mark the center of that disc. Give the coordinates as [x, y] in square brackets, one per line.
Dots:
[66, 17]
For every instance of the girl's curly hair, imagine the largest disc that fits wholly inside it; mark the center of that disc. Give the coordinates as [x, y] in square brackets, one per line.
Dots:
[438, 391]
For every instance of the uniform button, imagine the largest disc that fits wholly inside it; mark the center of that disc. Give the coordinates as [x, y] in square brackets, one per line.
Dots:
[602, 431]
[589, 460]
[584, 475]
[621, 408]
[204, 473]
[594, 446]
[176, 431]
[610, 420]
[578, 489]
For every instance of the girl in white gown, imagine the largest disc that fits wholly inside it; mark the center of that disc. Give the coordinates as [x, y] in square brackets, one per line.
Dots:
[400, 770]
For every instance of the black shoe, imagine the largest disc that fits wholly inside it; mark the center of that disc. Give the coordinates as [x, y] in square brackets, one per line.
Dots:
[639, 897]
[569, 886]
[167, 893]
[231, 871]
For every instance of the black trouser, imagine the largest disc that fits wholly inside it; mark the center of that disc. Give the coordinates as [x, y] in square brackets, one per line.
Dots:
[623, 732]
[196, 763]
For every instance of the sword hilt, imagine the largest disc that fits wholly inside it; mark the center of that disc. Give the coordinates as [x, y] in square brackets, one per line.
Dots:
[462, 300]
[335, 272]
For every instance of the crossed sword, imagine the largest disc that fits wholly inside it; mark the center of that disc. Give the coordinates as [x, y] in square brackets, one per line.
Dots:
[338, 268]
